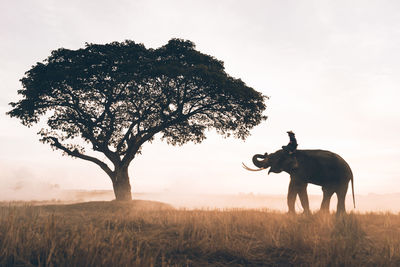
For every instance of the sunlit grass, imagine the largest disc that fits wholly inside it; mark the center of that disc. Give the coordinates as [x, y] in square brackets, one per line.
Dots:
[151, 234]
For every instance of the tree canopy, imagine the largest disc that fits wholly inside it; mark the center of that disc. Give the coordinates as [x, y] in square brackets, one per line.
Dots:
[119, 95]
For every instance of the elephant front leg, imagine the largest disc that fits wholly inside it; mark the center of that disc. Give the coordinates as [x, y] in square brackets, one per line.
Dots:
[302, 189]
[291, 197]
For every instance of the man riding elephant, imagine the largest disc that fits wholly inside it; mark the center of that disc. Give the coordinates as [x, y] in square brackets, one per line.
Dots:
[292, 146]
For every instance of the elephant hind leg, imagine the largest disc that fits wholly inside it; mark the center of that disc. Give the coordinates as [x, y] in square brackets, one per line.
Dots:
[341, 196]
[326, 200]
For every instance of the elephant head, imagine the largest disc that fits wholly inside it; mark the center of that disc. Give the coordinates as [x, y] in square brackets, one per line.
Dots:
[282, 160]
[278, 161]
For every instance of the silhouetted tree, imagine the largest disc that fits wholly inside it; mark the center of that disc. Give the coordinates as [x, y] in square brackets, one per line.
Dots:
[117, 96]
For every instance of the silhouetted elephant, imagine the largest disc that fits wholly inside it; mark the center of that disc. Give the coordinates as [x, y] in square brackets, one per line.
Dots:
[318, 167]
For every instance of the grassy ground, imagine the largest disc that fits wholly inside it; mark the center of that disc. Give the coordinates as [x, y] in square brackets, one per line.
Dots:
[144, 233]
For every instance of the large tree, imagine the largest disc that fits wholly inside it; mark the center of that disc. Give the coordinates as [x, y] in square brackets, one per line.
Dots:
[112, 98]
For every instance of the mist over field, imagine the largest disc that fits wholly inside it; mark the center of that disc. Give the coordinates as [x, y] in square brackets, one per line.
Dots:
[182, 195]
[52, 194]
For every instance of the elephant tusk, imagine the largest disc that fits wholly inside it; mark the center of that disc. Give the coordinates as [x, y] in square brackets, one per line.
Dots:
[250, 169]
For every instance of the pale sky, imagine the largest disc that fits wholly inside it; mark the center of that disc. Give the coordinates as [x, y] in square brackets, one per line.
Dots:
[331, 69]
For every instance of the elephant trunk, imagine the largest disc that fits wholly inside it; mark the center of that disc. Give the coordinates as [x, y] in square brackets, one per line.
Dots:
[260, 163]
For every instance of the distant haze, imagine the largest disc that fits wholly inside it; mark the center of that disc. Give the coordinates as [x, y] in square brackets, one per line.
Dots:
[331, 69]
[54, 195]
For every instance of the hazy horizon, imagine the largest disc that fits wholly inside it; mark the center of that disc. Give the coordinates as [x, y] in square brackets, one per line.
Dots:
[273, 202]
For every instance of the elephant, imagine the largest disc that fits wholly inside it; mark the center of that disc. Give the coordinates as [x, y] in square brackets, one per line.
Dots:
[319, 167]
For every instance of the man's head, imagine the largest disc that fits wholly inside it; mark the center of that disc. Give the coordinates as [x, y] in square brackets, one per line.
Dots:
[290, 133]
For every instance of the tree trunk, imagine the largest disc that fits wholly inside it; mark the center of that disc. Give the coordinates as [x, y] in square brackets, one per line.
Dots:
[121, 185]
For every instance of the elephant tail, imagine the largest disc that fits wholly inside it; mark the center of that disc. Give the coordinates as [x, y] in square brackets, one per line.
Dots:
[352, 190]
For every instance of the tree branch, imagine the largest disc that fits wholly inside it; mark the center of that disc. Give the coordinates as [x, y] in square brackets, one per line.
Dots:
[77, 154]
[86, 126]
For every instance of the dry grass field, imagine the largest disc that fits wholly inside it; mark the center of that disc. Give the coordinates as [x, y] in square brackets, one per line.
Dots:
[143, 233]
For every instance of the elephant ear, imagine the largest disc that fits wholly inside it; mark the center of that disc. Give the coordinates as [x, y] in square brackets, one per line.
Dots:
[293, 160]
[288, 159]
